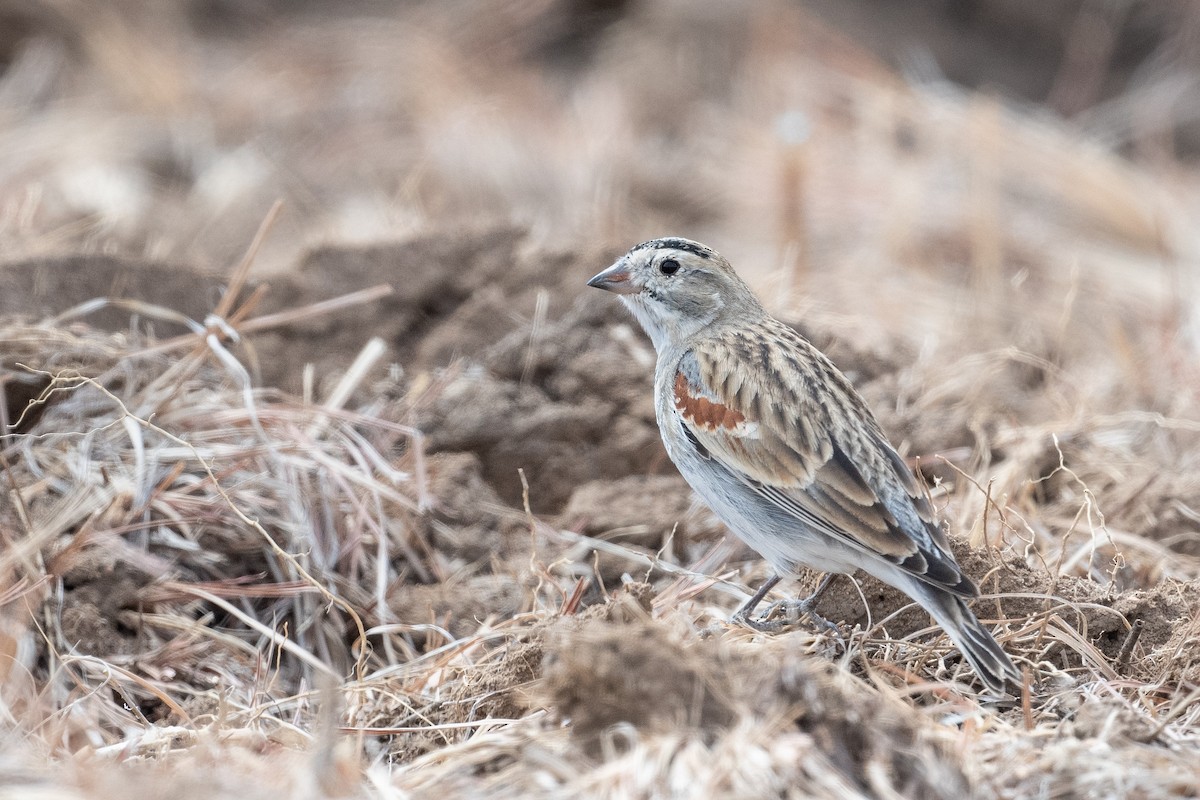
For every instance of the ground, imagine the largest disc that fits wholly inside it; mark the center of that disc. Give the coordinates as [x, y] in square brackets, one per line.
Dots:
[461, 564]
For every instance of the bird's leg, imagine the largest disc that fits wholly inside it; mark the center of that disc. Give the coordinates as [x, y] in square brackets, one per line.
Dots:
[742, 615]
[785, 612]
[792, 609]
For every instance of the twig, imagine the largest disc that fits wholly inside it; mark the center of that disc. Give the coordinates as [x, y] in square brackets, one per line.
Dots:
[1135, 632]
[241, 272]
[279, 319]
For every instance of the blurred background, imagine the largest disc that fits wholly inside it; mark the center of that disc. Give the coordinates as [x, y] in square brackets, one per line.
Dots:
[925, 182]
[796, 135]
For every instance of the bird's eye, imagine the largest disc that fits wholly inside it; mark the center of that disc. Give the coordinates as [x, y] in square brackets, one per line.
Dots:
[669, 266]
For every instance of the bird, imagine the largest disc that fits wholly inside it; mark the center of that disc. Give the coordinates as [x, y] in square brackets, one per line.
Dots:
[777, 442]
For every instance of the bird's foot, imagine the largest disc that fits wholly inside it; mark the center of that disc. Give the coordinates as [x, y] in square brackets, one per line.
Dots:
[784, 613]
[790, 611]
[763, 624]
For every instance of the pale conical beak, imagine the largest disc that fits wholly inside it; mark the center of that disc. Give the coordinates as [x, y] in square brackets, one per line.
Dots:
[616, 279]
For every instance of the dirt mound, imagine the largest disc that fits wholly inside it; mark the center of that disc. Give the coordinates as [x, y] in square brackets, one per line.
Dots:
[566, 401]
[600, 676]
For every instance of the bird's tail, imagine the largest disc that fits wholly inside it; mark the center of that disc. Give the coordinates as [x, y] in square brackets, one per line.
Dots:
[986, 656]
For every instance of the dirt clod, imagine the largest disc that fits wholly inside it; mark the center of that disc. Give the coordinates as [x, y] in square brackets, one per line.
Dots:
[601, 675]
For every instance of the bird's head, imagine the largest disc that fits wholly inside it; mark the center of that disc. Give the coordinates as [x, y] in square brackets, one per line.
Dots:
[677, 287]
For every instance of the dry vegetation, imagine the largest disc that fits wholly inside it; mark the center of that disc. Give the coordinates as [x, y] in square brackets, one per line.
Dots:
[362, 496]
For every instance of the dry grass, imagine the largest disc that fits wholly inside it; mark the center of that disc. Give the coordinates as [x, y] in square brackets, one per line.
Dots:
[213, 589]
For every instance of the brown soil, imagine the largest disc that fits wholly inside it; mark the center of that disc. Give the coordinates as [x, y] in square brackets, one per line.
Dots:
[564, 400]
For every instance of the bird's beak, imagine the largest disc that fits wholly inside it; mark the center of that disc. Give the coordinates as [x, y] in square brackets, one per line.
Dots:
[615, 279]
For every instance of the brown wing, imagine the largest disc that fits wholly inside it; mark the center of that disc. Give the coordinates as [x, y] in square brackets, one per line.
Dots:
[788, 423]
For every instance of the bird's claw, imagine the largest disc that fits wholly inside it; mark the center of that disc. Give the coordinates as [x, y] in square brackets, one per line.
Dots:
[792, 610]
[784, 614]
[761, 624]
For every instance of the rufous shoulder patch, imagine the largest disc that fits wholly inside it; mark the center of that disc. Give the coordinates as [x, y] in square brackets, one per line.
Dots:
[702, 412]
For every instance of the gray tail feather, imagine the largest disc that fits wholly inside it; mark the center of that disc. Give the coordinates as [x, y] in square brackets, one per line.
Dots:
[986, 656]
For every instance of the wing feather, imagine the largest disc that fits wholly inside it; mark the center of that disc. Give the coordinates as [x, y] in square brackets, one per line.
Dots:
[811, 447]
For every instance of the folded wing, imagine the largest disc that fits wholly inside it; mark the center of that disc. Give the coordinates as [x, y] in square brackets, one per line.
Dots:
[811, 447]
